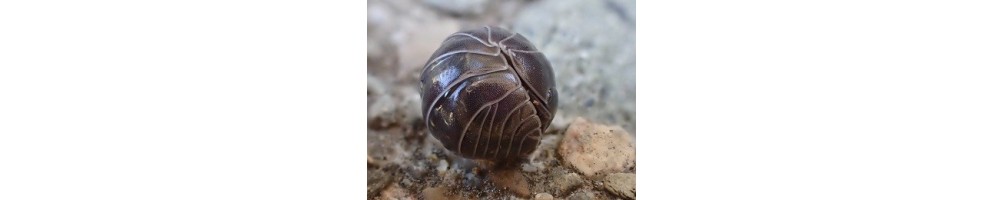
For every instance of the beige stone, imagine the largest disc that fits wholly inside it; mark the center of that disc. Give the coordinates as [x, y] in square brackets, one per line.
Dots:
[543, 196]
[439, 193]
[511, 180]
[594, 148]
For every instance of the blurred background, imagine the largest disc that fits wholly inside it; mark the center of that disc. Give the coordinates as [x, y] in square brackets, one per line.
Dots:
[590, 44]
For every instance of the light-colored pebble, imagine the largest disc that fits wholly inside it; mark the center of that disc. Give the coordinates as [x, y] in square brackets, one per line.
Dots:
[543, 196]
[566, 183]
[594, 148]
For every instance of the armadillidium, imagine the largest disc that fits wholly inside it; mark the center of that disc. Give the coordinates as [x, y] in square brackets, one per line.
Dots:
[487, 93]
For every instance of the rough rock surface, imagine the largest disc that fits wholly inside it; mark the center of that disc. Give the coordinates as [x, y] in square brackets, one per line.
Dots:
[594, 148]
[621, 184]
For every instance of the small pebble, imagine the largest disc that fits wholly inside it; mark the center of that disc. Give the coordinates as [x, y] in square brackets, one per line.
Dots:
[437, 193]
[395, 192]
[566, 183]
[443, 165]
[407, 182]
[512, 181]
[543, 196]
[621, 184]
[584, 195]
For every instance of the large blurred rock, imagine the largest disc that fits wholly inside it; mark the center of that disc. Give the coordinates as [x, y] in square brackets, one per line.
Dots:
[590, 44]
[381, 54]
[389, 105]
[402, 34]
[416, 43]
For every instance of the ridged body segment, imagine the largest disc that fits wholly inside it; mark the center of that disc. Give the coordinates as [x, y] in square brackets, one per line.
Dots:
[487, 93]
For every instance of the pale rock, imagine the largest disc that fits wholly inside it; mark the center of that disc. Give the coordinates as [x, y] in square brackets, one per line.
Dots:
[543, 196]
[443, 165]
[416, 46]
[394, 192]
[594, 148]
[439, 193]
[511, 180]
[583, 195]
[566, 183]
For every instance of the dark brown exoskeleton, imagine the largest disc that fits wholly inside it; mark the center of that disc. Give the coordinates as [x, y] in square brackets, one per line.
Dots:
[487, 93]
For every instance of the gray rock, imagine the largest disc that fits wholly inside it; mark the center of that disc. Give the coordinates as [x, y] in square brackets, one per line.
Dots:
[583, 195]
[591, 46]
[381, 57]
[621, 184]
[594, 148]
[402, 35]
[379, 101]
[459, 7]
[381, 54]
[389, 105]
[565, 183]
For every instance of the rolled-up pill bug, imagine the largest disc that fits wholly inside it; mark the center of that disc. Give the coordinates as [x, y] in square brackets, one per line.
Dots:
[487, 93]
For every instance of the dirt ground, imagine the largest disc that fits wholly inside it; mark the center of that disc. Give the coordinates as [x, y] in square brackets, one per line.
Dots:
[590, 44]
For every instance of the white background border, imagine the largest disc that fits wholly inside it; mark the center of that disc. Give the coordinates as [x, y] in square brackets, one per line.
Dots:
[737, 100]
[820, 100]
